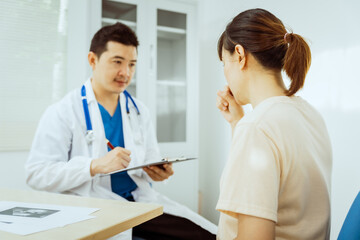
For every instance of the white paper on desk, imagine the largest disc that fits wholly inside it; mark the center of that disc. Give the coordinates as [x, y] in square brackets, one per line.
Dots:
[24, 218]
[20, 228]
[25, 229]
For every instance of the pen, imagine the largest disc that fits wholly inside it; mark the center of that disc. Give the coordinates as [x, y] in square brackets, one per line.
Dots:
[109, 144]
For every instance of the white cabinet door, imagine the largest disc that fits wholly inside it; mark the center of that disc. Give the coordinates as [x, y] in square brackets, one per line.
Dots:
[176, 101]
[166, 81]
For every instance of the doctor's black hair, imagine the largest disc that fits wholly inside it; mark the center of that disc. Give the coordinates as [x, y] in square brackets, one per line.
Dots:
[117, 32]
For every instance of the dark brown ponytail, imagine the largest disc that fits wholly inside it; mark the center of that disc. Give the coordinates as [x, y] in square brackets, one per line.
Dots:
[297, 61]
[265, 37]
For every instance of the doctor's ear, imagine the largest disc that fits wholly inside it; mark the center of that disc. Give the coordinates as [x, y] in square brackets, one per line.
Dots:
[92, 58]
[241, 56]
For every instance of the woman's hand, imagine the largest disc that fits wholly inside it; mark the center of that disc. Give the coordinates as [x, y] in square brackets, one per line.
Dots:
[229, 108]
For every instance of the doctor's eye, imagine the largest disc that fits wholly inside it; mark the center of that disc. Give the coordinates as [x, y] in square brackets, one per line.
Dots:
[132, 64]
[117, 62]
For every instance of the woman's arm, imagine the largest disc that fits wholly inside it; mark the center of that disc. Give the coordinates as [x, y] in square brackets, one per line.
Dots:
[255, 228]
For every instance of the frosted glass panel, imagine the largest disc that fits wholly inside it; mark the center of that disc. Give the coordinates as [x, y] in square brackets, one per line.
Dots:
[171, 19]
[117, 10]
[171, 113]
[171, 77]
[171, 62]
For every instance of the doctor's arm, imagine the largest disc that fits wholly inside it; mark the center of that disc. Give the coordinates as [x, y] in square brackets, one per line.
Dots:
[49, 166]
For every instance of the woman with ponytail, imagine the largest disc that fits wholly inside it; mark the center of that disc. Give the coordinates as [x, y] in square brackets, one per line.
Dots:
[276, 182]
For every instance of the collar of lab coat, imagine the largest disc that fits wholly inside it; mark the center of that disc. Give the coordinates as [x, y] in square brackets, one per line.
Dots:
[99, 146]
[90, 95]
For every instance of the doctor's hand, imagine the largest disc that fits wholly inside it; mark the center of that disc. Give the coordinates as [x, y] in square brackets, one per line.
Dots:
[159, 172]
[229, 108]
[116, 159]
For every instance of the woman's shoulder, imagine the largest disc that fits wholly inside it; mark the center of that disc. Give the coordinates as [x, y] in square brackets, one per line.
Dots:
[281, 108]
[285, 117]
[281, 114]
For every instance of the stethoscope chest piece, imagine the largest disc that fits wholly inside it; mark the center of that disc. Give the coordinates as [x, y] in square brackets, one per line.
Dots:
[90, 136]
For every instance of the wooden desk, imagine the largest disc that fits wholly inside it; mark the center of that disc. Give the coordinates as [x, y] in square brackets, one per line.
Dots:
[112, 218]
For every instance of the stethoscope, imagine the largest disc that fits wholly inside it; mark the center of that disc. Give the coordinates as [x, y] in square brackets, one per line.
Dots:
[89, 130]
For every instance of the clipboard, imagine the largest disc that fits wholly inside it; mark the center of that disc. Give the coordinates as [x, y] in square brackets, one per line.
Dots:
[163, 161]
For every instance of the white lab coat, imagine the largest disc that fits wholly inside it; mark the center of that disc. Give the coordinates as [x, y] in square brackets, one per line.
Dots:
[60, 157]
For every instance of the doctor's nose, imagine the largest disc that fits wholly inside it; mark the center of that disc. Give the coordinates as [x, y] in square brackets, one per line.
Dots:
[124, 71]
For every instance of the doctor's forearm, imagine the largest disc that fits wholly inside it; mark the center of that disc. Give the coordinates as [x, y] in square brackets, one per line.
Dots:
[58, 176]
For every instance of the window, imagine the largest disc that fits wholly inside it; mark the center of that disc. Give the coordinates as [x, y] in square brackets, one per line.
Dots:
[33, 66]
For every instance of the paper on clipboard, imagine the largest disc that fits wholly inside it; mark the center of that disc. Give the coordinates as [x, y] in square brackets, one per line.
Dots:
[163, 161]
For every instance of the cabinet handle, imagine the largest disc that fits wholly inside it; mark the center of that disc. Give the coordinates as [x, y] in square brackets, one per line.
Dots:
[152, 58]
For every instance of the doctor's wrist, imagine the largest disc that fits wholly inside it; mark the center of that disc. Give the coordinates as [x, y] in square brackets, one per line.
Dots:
[94, 168]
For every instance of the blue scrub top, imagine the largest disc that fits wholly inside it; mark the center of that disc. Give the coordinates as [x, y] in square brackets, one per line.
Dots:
[121, 183]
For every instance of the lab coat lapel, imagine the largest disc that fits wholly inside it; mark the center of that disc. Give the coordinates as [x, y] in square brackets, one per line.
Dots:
[99, 144]
[128, 138]
[99, 147]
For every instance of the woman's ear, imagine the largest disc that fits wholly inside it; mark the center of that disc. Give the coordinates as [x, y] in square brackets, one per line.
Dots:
[240, 52]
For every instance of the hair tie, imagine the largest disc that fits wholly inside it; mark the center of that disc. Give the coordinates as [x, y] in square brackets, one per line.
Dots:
[285, 37]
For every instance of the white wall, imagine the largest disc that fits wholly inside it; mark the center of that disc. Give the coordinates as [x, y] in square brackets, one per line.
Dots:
[215, 135]
[331, 86]
[12, 174]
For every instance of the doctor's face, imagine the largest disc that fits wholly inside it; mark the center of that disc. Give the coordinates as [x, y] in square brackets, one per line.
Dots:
[113, 71]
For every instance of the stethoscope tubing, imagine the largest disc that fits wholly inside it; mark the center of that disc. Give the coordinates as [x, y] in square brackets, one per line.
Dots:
[86, 109]
[127, 96]
[89, 128]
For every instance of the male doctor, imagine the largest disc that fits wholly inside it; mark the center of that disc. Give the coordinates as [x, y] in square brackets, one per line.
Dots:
[69, 151]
